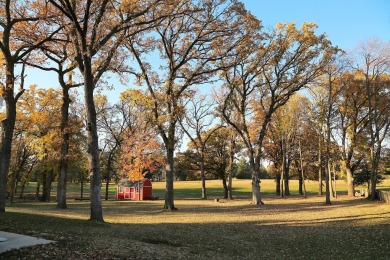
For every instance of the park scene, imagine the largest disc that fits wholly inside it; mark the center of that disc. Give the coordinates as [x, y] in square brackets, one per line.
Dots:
[194, 129]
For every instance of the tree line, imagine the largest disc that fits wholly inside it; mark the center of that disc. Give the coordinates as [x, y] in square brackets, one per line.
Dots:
[171, 51]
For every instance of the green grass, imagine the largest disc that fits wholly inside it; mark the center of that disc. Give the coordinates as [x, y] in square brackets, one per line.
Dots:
[290, 228]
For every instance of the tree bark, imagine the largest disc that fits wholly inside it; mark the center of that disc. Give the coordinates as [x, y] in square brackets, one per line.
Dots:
[93, 145]
[256, 197]
[277, 180]
[232, 148]
[301, 176]
[320, 192]
[202, 176]
[225, 188]
[8, 125]
[169, 199]
[62, 178]
[351, 188]
[287, 179]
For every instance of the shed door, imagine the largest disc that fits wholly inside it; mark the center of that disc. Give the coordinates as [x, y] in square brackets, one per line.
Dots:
[127, 193]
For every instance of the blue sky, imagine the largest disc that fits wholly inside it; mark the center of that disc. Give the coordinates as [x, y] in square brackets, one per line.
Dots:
[346, 22]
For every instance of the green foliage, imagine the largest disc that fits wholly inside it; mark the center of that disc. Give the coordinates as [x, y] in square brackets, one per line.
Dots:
[363, 175]
[243, 169]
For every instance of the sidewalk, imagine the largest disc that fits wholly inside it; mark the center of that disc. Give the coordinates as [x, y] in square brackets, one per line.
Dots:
[9, 241]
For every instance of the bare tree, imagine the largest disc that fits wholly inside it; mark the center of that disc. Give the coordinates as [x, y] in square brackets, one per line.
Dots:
[198, 119]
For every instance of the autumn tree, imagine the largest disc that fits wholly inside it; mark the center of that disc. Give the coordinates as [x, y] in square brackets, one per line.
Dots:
[331, 73]
[350, 106]
[198, 119]
[40, 108]
[281, 145]
[111, 127]
[97, 30]
[142, 150]
[24, 26]
[190, 44]
[55, 57]
[372, 60]
[274, 68]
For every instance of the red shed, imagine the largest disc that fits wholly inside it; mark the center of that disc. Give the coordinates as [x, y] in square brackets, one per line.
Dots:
[138, 190]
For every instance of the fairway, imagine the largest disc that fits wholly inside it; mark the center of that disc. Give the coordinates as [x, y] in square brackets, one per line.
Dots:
[289, 228]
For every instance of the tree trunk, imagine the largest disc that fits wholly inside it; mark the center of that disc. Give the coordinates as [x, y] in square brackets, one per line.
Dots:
[300, 183]
[328, 134]
[108, 176]
[169, 200]
[22, 190]
[62, 178]
[225, 188]
[37, 190]
[277, 180]
[319, 167]
[82, 189]
[49, 181]
[351, 188]
[204, 195]
[8, 125]
[287, 179]
[44, 186]
[93, 145]
[256, 197]
[373, 174]
[107, 187]
[301, 176]
[13, 187]
[232, 148]
[282, 170]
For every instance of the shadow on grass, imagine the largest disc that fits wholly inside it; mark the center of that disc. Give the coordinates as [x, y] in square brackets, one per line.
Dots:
[343, 237]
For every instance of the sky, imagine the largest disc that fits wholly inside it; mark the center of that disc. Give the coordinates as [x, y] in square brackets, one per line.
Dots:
[346, 22]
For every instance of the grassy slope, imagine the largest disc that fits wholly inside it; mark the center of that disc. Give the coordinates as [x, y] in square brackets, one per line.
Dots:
[204, 229]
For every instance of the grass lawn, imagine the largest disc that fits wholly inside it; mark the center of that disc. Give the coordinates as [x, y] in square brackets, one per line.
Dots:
[289, 228]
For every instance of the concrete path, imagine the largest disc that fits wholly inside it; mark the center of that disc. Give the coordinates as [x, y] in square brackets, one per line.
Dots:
[9, 241]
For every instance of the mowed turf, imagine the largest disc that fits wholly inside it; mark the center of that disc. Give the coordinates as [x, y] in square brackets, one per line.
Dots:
[288, 228]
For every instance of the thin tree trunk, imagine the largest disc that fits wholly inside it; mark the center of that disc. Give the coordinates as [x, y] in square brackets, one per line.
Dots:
[331, 179]
[232, 148]
[13, 187]
[107, 186]
[37, 190]
[22, 190]
[319, 166]
[302, 176]
[287, 180]
[82, 189]
[202, 175]
[44, 186]
[334, 180]
[283, 170]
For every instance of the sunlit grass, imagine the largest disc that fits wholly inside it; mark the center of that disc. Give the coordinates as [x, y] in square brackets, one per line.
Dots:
[292, 227]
